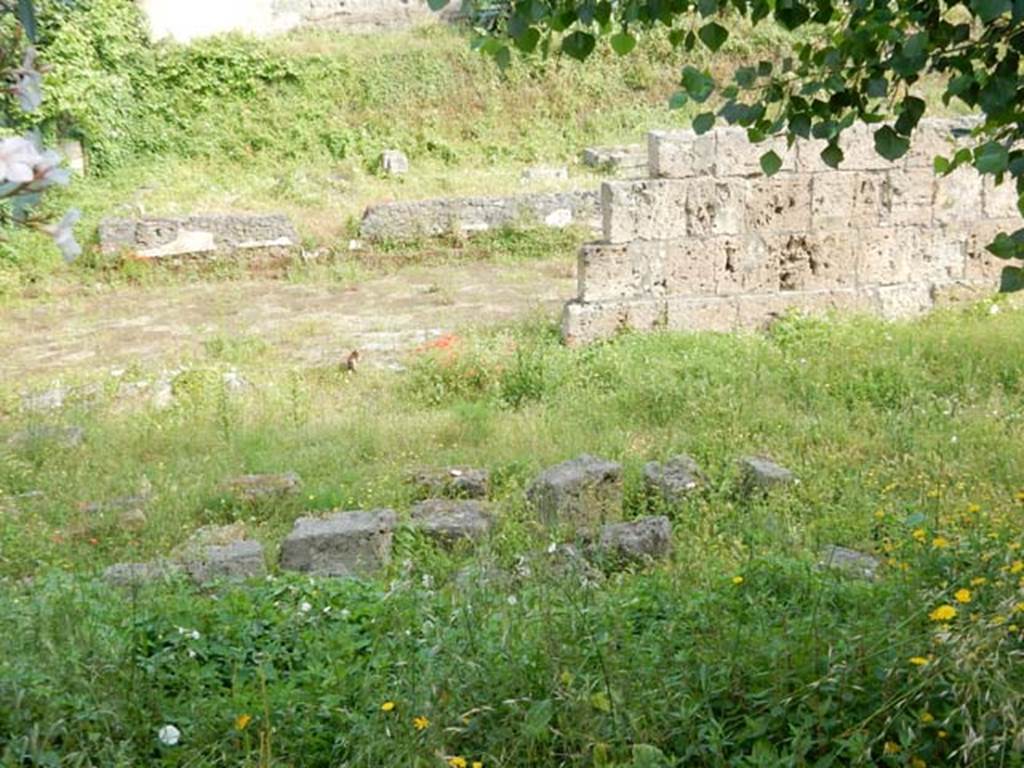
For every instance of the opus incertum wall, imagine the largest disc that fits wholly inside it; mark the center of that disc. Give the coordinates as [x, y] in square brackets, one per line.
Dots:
[710, 243]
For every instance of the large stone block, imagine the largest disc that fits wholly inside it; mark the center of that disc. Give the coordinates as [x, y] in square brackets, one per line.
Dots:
[758, 312]
[680, 154]
[196, 236]
[908, 300]
[736, 155]
[885, 255]
[980, 265]
[858, 146]
[694, 266]
[621, 271]
[932, 138]
[450, 521]
[674, 480]
[627, 161]
[758, 473]
[716, 207]
[843, 200]
[958, 197]
[907, 198]
[451, 483]
[643, 540]
[715, 313]
[744, 264]
[344, 544]
[139, 574]
[999, 201]
[779, 204]
[237, 561]
[583, 323]
[585, 492]
[644, 210]
[941, 256]
[812, 261]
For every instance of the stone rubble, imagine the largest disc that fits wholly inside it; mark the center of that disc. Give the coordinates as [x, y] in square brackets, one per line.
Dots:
[674, 480]
[584, 492]
[451, 482]
[355, 543]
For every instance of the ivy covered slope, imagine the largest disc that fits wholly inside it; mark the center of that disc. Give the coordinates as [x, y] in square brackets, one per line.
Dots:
[854, 61]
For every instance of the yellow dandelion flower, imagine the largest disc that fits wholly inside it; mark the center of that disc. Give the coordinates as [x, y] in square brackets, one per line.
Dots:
[387, 706]
[927, 717]
[942, 734]
[891, 748]
[998, 620]
[973, 509]
[963, 596]
[1020, 495]
[917, 762]
[1014, 628]
[1019, 608]
[880, 514]
[457, 762]
[943, 613]
[919, 534]
[940, 542]
[420, 723]
[1017, 566]
[737, 580]
[918, 661]
[979, 581]
[478, 764]
[242, 722]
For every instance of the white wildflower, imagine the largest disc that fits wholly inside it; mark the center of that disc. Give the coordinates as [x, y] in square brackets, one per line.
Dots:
[305, 607]
[169, 736]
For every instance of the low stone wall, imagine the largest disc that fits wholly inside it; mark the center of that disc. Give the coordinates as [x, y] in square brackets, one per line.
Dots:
[709, 243]
[411, 219]
[200, 236]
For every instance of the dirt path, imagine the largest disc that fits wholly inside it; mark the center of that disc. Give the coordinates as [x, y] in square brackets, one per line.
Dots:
[310, 324]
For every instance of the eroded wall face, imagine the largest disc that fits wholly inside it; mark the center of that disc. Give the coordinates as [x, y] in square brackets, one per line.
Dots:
[709, 243]
[185, 20]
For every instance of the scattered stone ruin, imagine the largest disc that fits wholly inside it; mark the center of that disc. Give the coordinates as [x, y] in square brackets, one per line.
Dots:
[271, 236]
[418, 218]
[708, 242]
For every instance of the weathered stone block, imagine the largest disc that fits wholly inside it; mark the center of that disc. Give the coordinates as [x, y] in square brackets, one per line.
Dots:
[858, 146]
[907, 198]
[674, 480]
[344, 544]
[544, 173]
[999, 201]
[980, 265]
[394, 162]
[702, 314]
[885, 255]
[643, 210]
[624, 161]
[850, 562]
[758, 473]
[237, 561]
[680, 154]
[759, 312]
[256, 488]
[941, 257]
[958, 197]
[586, 322]
[417, 218]
[843, 200]
[694, 266]
[735, 155]
[715, 207]
[623, 271]
[904, 301]
[932, 138]
[450, 521]
[582, 492]
[779, 204]
[207, 235]
[452, 483]
[649, 538]
[812, 261]
[744, 265]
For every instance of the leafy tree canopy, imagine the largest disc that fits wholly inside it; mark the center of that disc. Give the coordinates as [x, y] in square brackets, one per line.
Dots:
[858, 60]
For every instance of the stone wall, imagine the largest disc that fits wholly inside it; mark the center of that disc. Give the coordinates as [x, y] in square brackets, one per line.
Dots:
[709, 243]
[200, 236]
[405, 220]
[185, 20]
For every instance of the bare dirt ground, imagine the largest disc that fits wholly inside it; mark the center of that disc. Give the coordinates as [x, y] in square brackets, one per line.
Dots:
[307, 324]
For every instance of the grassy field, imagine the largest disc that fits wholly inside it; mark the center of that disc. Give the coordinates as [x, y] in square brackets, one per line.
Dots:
[739, 651]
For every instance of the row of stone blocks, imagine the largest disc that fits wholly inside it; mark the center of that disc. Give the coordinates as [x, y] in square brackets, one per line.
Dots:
[582, 496]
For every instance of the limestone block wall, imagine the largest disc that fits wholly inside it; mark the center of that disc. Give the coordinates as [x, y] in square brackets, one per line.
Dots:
[707, 242]
[185, 20]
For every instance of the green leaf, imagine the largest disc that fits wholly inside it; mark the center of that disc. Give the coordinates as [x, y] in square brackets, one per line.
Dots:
[770, 163]
[941, 165]
[713, 35]
[877, 87]
[991, 157]
[579, 45]
[677, 100]
[989, 10]
[890, 144]
[910, 115]
[27, 18]
[800, 125]
[1007, 246]
[698, 85]
[1011, 280]
[538, 717]
[745, 76]
[527, 42]
[707, 7]
[503, 57]
[703, 122]
[623, 43]
[832, 155]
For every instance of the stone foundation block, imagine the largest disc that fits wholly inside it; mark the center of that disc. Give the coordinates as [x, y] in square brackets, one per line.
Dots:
[452, 483]
[584, 492]
[238, 561]
[649, 538]
[674, 480]
[680, 154]
[448, 521]
[344, 544]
